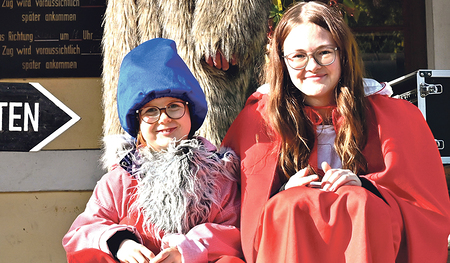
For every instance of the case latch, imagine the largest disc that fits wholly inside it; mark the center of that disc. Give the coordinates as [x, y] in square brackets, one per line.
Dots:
[427, 89]
[440, 144]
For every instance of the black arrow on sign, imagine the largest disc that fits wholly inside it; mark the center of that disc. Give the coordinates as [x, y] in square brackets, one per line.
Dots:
[31, 117]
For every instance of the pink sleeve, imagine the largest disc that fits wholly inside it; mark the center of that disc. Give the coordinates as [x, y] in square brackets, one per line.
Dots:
[104, 210]
[209, 241]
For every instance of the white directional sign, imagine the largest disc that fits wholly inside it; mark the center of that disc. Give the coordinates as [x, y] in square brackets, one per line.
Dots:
[31, 117]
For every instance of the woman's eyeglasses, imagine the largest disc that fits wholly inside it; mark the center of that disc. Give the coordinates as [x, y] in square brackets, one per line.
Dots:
[323, 56]
[174, 110]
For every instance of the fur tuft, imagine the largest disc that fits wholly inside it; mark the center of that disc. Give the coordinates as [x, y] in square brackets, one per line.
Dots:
[115, 148]
[177, 187]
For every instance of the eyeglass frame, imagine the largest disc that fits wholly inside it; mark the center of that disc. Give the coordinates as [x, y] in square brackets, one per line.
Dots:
[311, 55]
[185, 103]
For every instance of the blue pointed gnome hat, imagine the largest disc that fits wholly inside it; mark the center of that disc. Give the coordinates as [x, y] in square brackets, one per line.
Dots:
[153, 70]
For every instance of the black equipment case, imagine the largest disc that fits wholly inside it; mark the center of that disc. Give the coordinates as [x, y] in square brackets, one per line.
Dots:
[429, 90]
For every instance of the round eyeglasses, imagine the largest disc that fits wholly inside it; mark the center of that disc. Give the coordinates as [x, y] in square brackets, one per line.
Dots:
[174, 110]
[323, 56]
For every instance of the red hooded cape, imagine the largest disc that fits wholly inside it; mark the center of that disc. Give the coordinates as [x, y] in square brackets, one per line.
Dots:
[301, 224]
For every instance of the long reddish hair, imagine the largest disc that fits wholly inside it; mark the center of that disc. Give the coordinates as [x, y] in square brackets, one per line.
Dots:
[286, 108]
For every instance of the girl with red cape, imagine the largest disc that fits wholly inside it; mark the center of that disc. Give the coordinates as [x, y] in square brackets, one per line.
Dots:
[382, 193]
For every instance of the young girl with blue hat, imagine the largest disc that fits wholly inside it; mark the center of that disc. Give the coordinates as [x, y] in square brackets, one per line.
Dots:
[170, 196]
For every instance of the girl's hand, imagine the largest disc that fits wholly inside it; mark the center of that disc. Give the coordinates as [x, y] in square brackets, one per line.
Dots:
[132, 252]
[168, 255]
[301, 178]
[335, 178]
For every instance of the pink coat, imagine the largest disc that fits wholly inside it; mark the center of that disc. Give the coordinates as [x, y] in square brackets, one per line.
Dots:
[108, 206]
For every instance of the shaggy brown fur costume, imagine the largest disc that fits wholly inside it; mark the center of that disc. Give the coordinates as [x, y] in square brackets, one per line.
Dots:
[200, 28]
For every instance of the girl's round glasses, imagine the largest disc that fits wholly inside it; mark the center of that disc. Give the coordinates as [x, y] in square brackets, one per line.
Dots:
[174, 110]
[323, 56]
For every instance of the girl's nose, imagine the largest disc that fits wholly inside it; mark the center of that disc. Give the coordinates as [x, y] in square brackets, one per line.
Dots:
[312, 64]
[163, 117]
